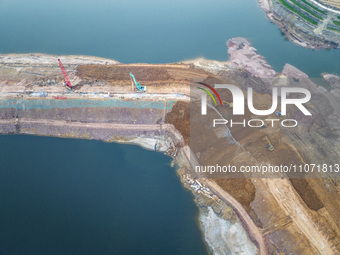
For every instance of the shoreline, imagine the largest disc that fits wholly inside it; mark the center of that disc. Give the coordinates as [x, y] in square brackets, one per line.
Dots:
[12, 58]
[295, 33]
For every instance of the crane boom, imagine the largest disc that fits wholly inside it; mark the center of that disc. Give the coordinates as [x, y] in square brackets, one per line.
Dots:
[138, 86]
[66, 79]
[136, 83]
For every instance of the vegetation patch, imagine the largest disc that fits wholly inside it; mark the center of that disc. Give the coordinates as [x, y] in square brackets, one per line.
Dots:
[305, 17]
[303, 7]
[314, 7]
[335, 22]
[334, 29]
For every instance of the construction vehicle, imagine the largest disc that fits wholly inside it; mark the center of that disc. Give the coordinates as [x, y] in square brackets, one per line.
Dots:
[269, 145]
[229, 105]
[67, 82]
[59, 97]
[139, 88]
[17, 124]
[39, 93]
[42, 93]
[278, 114]
[262, 124]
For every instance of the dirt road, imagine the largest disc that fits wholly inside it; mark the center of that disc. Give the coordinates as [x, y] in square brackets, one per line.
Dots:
[253, 230]
[293, 206]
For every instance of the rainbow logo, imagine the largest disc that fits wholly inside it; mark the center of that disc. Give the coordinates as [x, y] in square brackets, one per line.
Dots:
[209, 93]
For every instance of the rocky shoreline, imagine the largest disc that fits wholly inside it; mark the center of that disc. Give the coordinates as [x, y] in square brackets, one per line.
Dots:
[296, 33]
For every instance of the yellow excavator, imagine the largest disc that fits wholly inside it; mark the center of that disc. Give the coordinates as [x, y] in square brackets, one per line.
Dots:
[229, 105]
[269, 145]
[262, 124]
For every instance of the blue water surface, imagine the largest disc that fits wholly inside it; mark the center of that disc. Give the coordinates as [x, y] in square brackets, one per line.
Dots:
[151, 31]
[67, 196]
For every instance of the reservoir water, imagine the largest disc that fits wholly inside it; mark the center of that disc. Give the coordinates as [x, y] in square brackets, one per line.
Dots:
[66, 196]
[151, 31]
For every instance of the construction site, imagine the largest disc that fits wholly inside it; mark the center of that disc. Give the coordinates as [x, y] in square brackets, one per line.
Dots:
[150, 105]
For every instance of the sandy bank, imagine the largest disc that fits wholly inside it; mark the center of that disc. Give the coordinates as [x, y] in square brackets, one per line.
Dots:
[34, 59]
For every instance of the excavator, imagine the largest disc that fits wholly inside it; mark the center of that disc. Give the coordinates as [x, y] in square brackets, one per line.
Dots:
[229, 105]
[261, 124]
[67, 82]
[278, 114]
[269, 145]
[139, 88]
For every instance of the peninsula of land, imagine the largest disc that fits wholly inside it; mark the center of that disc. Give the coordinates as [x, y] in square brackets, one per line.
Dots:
[281, 215]
[311, 24]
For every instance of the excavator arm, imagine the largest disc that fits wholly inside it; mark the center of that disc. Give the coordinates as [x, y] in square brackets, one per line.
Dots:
[134, 80]
[66, 79]
[138, 86]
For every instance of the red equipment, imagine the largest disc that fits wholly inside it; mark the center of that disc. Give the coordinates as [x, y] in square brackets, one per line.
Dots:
[67, 82]
[59, 97]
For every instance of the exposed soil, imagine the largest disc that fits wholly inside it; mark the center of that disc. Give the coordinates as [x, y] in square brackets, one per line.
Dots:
[242, 190]
[180, 118]
[122, 73]
[307, 194]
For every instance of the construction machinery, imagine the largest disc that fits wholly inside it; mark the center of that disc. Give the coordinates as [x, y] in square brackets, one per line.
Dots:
[139, 88]
[278, 114]
[59, 97]
[269, 145]
[42, 93]
[39, 93]
[17, 127]
[67, 82]
[262, 124]
[229, 105]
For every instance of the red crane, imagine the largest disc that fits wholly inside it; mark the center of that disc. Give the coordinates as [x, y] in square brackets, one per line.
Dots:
[67, 82]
